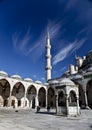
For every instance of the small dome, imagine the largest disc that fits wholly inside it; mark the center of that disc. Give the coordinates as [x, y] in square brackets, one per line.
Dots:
[90, 52]
[53, 81]
[66, 81]
[16, 76]
[89, 69]
[28, 79]
[77, 76]
[3, 73]
[38, 82]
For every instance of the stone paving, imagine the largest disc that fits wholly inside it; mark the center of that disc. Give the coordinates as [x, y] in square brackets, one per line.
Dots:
[27, 119]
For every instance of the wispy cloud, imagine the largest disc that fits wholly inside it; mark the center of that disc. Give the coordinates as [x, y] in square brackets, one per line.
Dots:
[36, 48]
[67, 50]
[21, 41]
[39, 46]
[54, 28]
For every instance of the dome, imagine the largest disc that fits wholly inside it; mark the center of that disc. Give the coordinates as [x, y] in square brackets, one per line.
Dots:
[89, 69]
[16, 76]
[28, 79]
[3, 73]
[66, 81]
[77, 76]
[38, 82]
[90, 52]
[53, 81]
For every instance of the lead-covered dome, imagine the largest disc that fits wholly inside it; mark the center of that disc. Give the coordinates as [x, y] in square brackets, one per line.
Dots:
[89, 69]
[78, 76]
[60, 82]
[3, 73]
[53, 81]
[28, 79]
[66, 81]
[16, 76]
[38, 82]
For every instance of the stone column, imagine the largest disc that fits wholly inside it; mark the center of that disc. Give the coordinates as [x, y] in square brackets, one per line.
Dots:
[56, 103]
[86, 100]
[84, 83]
[10, 98]
[36, 99]
[78, 105]
[24, 99]
[67, 104]
[46, 99]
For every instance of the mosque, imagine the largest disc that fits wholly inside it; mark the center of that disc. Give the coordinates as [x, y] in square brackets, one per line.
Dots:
[67, 93]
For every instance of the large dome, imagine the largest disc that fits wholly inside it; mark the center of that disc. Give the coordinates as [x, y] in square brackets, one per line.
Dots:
[16, 76]
[3, 73]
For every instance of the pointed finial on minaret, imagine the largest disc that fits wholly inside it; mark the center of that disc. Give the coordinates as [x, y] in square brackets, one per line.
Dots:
[48, 34]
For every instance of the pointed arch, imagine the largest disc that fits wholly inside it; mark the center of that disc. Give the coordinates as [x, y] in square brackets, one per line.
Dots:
[61, 98]
[81, 95]
[18, 91]
[89, 93]
[51, 97]
[31, 94]
[72, 98]
[5, 91]
[42, 97]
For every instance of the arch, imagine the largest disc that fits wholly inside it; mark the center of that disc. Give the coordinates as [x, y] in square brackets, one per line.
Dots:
[31, 94]
[61, 98]
[89, 93]
[51, 97]
[72, 98]
[81, 95]
[18, 92]
[5, 91]
[42, 97]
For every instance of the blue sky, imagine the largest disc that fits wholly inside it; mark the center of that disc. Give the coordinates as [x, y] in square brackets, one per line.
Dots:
[23, 25]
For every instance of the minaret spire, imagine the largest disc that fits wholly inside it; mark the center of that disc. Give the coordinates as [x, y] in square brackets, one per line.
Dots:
[48, 57]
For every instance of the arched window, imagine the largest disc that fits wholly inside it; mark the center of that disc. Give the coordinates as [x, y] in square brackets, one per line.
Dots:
[72, 99]
[61, 99]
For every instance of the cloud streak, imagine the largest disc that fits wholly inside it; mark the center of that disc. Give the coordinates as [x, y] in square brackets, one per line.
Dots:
[68, 50]
[36, 48]
[39, 45]
[20, 41]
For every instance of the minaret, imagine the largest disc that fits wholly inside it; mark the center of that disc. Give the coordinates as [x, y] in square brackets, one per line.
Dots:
[48, 58]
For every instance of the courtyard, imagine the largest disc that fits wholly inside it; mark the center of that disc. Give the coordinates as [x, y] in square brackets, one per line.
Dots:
[28, 119]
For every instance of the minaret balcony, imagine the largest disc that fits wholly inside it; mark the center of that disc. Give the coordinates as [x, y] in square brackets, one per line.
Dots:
[48, 68]
[48, 56]
[48, 46]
